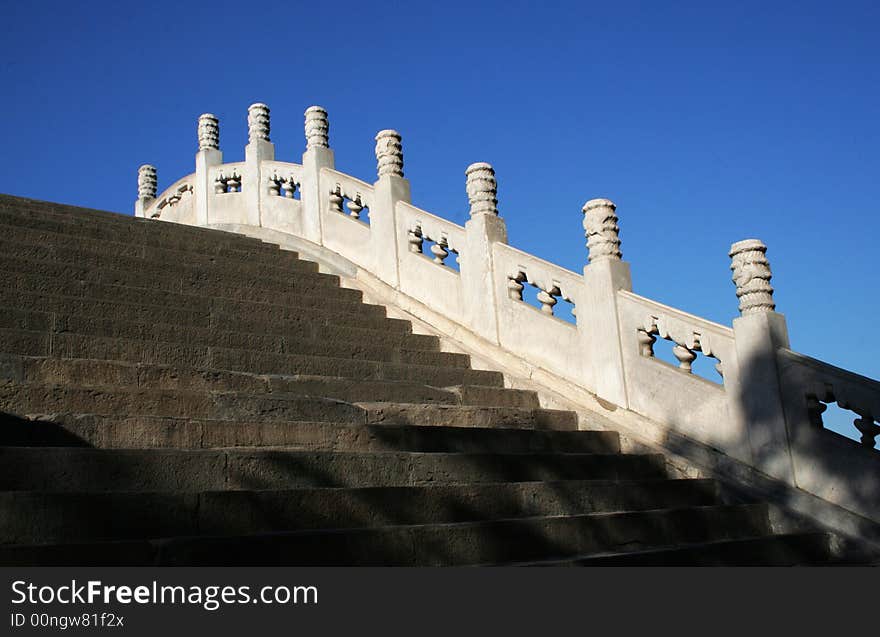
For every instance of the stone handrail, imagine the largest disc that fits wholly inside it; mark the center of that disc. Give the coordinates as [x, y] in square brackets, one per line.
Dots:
[519, 322]
[344, 231]
[669, 392]
[825, 463]
[284, 176]
[763, 410]
[814, 384]
[177, 198]
[420, 225]
[429, 249]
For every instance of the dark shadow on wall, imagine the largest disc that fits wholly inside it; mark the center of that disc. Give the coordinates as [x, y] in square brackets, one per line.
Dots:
[806, 451]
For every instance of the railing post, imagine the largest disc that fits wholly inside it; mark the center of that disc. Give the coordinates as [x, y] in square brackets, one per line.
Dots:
[207, 156]
[759, 332]
[259, 148]
[390, 187]
[318, 155]
[147, 188]
[597, 321]
[483, 229]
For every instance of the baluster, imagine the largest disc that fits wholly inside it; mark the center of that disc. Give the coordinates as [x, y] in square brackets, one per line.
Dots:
[220, 184]
[415, 240]
[234, 183]
[685, 357]
[865, 424]
[290, 188]
[815, 409]
[548, 300]
[275, 185]
[336, 199]
[515, 286]
[439, 250]
[355, 206]
[646, 342]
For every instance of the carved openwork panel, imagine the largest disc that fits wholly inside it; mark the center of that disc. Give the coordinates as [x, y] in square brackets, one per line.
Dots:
[284, 186]
[819, 398]
[227, 178]
[549, 291]
[687, 341]
[433, 243]
[173, 196]
[349, 202]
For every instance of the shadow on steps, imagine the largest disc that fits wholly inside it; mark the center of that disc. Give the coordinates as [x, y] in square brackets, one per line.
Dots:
[16, 431]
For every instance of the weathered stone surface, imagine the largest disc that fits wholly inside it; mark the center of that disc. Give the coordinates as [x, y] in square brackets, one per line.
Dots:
[74, 469]
[502, 541]
[65, 517]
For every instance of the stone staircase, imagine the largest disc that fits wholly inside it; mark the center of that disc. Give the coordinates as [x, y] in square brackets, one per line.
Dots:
[174, 395]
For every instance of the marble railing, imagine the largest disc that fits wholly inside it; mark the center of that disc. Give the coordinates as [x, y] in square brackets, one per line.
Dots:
[533, 331]
[761, 403]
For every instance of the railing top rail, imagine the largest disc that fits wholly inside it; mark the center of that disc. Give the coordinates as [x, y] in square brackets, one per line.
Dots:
[543, 263]
[679, 314]
[335, 174]
[410, 209]
[828, 368]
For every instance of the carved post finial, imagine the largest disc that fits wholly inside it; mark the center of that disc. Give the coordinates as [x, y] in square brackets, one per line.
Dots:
[389, 153]
[147, 182]
[258, 122]
[317, 128]
[209, 132]
[601, 230]
[482, 189]
[751, 275]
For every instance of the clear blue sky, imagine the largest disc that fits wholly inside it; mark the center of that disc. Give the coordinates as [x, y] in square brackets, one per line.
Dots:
[706, 122]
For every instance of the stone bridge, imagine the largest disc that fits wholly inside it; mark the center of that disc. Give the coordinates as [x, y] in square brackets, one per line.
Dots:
[759, 422]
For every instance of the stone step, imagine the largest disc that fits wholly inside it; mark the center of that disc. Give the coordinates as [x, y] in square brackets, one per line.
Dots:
[426, 415]
[102, 373]
[216, 267]
[795, 549]
[497, 541]
[72, 346]
[156, 432]
[186, 281]
[293, 364]
[37, 398]
[157, 307]
[304, 324]
[125, 229]
[193, 251]
[39, 517]
[67, 331]
[133, 234]
[327, 303]
[22, 207]
[71, 469]
[21, 215]
[438, 369]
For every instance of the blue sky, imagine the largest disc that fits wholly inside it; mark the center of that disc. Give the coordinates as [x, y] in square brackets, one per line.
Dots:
[705, 122]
